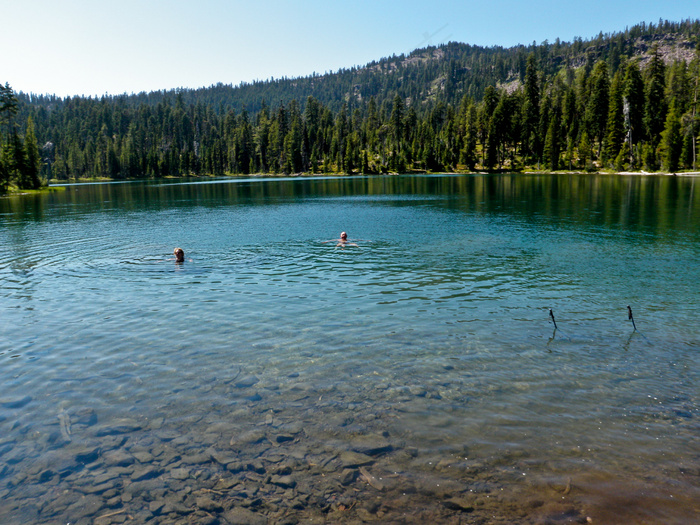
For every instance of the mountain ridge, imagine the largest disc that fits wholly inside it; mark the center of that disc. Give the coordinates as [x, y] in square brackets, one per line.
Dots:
[675, 40]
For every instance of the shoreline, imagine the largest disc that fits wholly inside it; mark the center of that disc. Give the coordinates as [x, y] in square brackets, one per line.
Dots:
[56, 183]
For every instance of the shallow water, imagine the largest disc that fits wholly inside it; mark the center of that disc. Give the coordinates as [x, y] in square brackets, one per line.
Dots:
[415, 377]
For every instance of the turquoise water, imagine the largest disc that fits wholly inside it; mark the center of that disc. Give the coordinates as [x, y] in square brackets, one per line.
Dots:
[431, 340]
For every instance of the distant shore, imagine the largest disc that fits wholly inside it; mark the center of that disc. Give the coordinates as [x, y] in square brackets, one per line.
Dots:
[630, 173]
[54, 183]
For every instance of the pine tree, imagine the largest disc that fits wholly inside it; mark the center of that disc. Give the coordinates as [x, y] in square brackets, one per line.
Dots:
[569, 115]
[262, 142]
[484, 117]
[655, 101]
[584, 152]
[649, 159]
[32, 158]
[397, 131]
[8, 107]
[279, 163]
[312, 121]
[598, 102]
[552, 146]
[292, 146]
[244, 144]
[468, 152]
[633, 105]
[372, 124]
[4, 170]
[687, 150]
[678, 85]
[616, 122]
[18, 161]
[365, 163]
[340, 135]
[671, 140]
[531, 136]
[622, 157]
[570, 123]
[492, 145]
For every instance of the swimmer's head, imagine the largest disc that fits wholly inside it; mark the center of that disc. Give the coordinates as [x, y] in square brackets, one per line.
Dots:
[344, 236]
[179, 254]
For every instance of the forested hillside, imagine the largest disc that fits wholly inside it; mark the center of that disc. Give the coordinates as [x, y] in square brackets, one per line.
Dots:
[618, 101]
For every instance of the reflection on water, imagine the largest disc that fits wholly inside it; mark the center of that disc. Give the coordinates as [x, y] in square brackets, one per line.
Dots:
[414, 378]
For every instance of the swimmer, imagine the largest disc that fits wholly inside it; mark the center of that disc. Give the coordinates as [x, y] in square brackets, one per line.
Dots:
[179, 255]
[343, 241]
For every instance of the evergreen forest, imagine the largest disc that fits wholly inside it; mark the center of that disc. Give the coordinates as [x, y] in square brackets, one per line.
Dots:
[622, 101]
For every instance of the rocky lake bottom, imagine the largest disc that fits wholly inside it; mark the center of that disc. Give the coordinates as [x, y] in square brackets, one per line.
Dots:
[287, 454]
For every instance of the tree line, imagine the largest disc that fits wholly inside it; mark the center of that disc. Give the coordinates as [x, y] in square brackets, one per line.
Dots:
[581, 106]
[20, 158]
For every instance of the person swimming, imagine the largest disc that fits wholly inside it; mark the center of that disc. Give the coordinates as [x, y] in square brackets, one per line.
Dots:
[342, 241]
[179, 254]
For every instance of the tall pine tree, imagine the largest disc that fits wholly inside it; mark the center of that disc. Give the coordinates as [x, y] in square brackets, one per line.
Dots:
[598, 101]
[654, 99]
[633, 106]
[671, 140]
[616, 120]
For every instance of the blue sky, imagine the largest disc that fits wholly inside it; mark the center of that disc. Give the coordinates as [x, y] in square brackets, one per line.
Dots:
[93, 47]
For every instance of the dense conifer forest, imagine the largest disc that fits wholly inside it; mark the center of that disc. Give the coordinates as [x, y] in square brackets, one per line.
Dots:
[622, 101]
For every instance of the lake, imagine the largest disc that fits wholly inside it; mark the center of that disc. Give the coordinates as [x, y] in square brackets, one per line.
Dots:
[418, 376]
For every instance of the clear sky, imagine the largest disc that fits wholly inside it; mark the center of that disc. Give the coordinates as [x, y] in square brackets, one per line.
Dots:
[93, 47]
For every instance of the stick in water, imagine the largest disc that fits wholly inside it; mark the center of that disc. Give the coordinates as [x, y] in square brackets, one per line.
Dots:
[631, 317]
[551, 314]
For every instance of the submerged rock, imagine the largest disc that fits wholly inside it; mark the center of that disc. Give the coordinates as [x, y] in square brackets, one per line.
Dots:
[348, 476]
[372, 445]
[180, 473]
[85, 454]
[248, 438]
[460, 504]
[223, 458]
[196, 459]
[286, 482]
[156, 506]
[86, 507]
[143, 456]
[118, 458]
[350, 459]
[118, 426]
[239, 515]
[143, 474]
[208, 504]
[246, 382]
